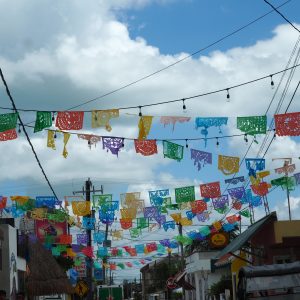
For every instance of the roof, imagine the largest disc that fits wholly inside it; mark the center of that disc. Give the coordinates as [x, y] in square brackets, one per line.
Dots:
[245, 236]
[270, 270]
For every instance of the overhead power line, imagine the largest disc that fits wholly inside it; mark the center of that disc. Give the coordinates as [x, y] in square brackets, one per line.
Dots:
[140, 106]
[286, 19]
[180, 60]
[26, 134]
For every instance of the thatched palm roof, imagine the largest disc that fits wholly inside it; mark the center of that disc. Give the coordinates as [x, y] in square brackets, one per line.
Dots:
[45, 275]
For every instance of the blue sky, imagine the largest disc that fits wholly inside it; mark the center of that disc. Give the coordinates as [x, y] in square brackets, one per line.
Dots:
[97, 47]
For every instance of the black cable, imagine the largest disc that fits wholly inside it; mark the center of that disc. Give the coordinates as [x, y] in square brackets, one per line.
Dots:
[26, 134]
[180, 60]
[274, 8]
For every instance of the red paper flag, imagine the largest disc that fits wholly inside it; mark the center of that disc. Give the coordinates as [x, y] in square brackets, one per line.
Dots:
[232, 219]
[261, 189]
[126, 223]
[132, 252]
[113, 266]
[145, 147]
[210, 190]
[69, 120]
[8, 135]
[128, 264]
[198, 206]
[151, 247]
[65, 239]
[88, 251]
[3, 201]
[114, 251]
[287, 124]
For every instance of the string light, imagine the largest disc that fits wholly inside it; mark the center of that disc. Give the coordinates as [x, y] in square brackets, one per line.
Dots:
[140, 111]
[217, 143]
[246, 138]
[55, 136]
[228, 95]
[255, 140]
[183, 106]
[272, 82]
[274, 136]
[186, 143]
[19, 128]
[53, 115]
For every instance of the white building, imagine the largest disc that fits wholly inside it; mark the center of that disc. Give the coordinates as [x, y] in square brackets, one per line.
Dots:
[12, 266]
[201, 274]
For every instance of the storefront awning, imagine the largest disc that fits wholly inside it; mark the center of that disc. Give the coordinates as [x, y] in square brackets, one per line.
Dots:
[243, 238]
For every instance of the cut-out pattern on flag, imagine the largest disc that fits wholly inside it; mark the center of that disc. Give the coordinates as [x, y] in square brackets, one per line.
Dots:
[130, 200]
[88, 251]
[8, 121]
[135, 232]
[81, 208]
[160, 219]
[233, 219]
[217, 225]
[8, 135]
[101, 118]
[186, 221]
[285, 182]
[190, 215]
[157, 197]
[145, 147]
[252, 125]
[51, 140]
[167, 120]
[88, 223]
[198, 206]
[107, 217]
[128, 213]
[261, 189]
[202, 217]
[237, 205]
[92, 139]
[151, 212]
[151, 247]
[100, 200]
[142, 223]
[3, 201]
[209, 122]
[228, 227]
[126, 223]
[201, 158]
[228, 164]
[210, 190]
[176, 217]
[235, 180]
[113, 144]
[220, 202]
[287, 124]
[184, 240]
[286, 169]
[45, 201]
[69, 120]
[65, 239]
[297, 178]
[99, 237]
[169, 225]
[172, 150]
[43, 120]
[66, 139]
[139, 248]
[185, 194]
[254, 165]
[245, 213]
[237, 193]
[144, 127]
[82, 238]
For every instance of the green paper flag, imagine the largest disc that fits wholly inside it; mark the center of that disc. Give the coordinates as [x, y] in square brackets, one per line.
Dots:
[43, 120]
[134, 232]
[142, 223]
[252, 125]
[99, 200]
[184, 240]
[121, 265]
[285, 182]
[185, 194]
[245, 213]
[222, 210]
[172, 150]
[8, 121]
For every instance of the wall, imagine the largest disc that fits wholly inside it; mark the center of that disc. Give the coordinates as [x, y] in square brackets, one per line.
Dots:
[286, 229]
[10, 266]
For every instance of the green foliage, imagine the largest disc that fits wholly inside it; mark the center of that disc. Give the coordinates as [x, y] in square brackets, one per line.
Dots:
[220, 286]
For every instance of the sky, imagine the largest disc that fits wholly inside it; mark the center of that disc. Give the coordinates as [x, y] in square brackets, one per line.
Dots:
[60, 54]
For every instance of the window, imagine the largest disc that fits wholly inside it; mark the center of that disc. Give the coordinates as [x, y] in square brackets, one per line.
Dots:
[283, 259]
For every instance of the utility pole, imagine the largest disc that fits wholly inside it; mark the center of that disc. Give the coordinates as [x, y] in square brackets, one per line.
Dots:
[89, 260]
[182, 255]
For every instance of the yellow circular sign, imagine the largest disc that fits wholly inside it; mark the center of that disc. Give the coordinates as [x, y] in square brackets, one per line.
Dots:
[219, 239]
